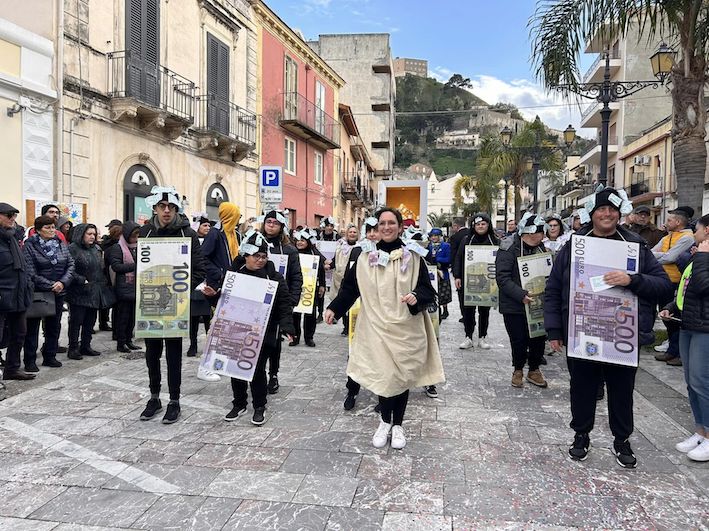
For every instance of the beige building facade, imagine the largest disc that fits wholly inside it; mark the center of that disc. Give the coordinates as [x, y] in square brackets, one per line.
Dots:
[158, 92]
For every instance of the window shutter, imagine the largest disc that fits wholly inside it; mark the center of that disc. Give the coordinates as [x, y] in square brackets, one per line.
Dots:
[143, 46]
[217, 85]
[151, 51]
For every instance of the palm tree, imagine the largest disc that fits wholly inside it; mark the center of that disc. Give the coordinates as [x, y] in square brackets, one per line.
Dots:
[495, 161]
[560, 29]
[438, 220]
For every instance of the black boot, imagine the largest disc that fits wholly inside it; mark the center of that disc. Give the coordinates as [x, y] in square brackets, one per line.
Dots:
[74, 354]
[445, 314]
[123, 348]
[192, 351]
[90, 352]
[133, 346]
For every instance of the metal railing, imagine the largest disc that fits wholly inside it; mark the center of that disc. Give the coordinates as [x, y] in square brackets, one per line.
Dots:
[156, 86]
[641, 187]
[297, 108]
[615, 54]
[226, 118]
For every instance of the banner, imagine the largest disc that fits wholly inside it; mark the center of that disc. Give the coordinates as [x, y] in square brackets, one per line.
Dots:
[280, 261]
[603, 319]
[239, 325]
[480, 287]
[534, 270]
[163, 275]
[309, 265]
[328, 250]
[435, 316]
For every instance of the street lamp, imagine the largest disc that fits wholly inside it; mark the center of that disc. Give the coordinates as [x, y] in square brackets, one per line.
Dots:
[608, 91]
[506, 136]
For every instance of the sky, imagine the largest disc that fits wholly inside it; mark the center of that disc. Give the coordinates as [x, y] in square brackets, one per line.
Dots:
[484, 40]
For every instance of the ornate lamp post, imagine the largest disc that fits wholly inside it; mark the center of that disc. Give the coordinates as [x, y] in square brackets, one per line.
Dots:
[608, 91]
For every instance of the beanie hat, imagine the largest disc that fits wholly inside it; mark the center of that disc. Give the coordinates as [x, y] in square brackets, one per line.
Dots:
[531, 223]
[329, 220]
[253, 243]
[617, 199]
[369, 224]
[281, 216]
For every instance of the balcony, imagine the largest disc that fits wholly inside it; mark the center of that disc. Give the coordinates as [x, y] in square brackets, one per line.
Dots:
[308, 121]
[352, 189]
[595, 72]
[644, 188]
[593, 155]
[591, 115]
[153, 96]
[224, 128]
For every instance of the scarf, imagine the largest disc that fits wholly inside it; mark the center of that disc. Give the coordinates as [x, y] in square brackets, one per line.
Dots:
[50, 248]
[229, 215]
[172, 227]
[18, 264]
[128, 249]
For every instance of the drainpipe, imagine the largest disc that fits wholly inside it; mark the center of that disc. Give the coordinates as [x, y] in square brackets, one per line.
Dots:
[59, 107]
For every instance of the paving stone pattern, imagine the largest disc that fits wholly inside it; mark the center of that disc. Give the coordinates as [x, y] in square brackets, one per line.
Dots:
[484, 455]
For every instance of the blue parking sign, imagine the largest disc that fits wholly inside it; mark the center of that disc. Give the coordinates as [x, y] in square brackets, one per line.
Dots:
[271, 184]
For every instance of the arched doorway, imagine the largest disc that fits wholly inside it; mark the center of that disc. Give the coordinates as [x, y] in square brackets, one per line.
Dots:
[215, 195]
[137, 184]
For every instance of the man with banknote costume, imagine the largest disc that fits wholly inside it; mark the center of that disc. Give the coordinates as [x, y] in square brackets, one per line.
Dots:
[168, 222]
[650, 285]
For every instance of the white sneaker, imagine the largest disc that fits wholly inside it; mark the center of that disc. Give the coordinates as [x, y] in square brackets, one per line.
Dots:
[207, 375]
[690, 443]
[381, 436]
[398, 439]
[468, 343]
[662, 347]
[484, 344]
[701, 452]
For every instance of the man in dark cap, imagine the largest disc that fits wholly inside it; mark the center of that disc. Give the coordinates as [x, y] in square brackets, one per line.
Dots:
[643, 227]
[15, 293]
[668, 250]
[650, 285]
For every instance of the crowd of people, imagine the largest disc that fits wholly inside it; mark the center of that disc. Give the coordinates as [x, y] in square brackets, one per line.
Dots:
[382, 272]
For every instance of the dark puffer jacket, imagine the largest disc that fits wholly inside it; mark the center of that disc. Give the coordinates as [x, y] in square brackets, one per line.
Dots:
[507, 272]
[89, 286]
[15, 284]
[651, 285]
[124, 291]
[695, 311]
[41, 270]
[294, 275]
[281, 319]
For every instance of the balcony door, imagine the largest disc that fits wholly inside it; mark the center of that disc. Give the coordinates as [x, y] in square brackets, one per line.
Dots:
[143, 51]
[217, 85]
[320, 107]
[290, 89]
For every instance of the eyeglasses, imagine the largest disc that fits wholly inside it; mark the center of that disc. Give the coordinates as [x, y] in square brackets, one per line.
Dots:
[163, 206]
[9, 215]
[271, 221]
[260, 256]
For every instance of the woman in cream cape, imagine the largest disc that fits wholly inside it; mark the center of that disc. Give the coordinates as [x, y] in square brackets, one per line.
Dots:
[394, 346]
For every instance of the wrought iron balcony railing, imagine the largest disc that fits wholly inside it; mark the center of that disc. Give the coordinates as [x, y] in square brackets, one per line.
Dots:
[310, 122]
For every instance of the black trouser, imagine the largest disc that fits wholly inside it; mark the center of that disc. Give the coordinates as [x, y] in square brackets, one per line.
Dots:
[52, 329]
[274, 358]
[124, 321]
[352, 386]
[469, 320]
[194, 326]
[153, 353]
[394, 407]
[14, 337]
[104, 317]
[309, 325]
[586, 376]
[258, 384]
[346, 322]
[673, 328]
[81, 320]
[320, 302]
[461, 298]
[524, 349]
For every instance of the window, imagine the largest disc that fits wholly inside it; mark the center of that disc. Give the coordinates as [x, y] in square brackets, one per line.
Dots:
[318, 168]
[289, 159]
[381, 145]
[290, 88]
[319, 107]
[217, 85]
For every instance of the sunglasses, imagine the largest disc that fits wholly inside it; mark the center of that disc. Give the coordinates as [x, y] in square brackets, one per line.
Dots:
[8, 215]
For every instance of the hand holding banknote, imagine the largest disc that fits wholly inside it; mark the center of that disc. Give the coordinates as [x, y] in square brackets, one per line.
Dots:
[617, 278]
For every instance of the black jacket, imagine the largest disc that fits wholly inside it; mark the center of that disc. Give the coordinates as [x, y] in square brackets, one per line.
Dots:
[651, 285]
[181, 230]
[40, 268]
[124, 291]
[695, 311]
[349, 290]
[89, 286]
[311, 249]
[106, 244]
[507, 273]
[294, 276]
[281, 319]
[15, 283]
[456, 242]
[217, 259]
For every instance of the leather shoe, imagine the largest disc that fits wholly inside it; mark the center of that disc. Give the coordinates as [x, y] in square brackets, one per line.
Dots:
[124, 349]
[105, 328]
[18, 375]
[133, 346]
[62, 350]
[310, 342]
[662, 356]
[52, 362]
[31, 367]
[675, 362]
[74, 355]
[90, 352]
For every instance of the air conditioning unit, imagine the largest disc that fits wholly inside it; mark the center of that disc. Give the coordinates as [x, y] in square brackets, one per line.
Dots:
[637, 159]
[646, 160]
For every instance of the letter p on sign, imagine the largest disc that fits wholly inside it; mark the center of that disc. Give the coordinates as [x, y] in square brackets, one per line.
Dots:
[271, 184]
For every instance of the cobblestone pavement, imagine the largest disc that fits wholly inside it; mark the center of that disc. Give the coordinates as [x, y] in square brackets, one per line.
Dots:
[73, 454]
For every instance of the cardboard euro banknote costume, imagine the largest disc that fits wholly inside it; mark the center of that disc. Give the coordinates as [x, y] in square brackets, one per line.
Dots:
[392, 350]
